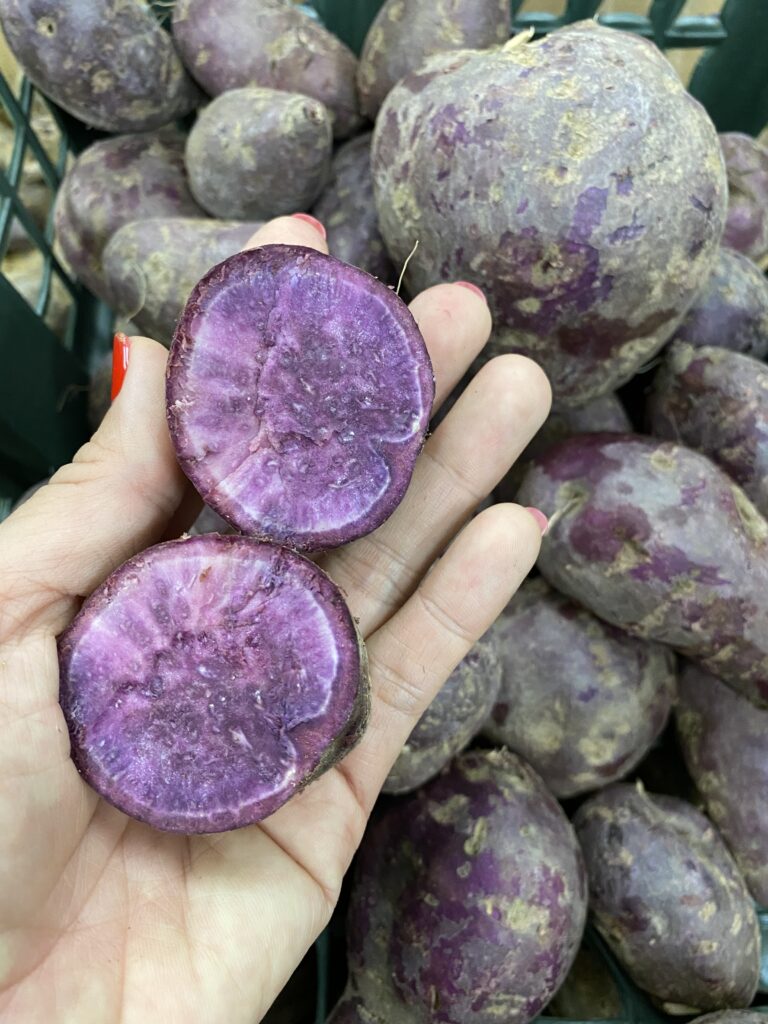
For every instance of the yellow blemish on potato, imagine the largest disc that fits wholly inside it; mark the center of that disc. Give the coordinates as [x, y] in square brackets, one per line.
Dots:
[495, 193]
[449, 811]
[478, 839]
[396, 11]
[546, 735]
[663, 460]
[102, 81]
[738, 921]
[529, 305]
[202, 57]
[516, 914]
[464, 869]
[430, 899]
[707, 947]
[707, 911]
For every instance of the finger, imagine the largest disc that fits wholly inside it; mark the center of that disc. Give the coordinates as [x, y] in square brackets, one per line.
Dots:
[112, 500]
[472, 449]
[412, 654]
[296, 230]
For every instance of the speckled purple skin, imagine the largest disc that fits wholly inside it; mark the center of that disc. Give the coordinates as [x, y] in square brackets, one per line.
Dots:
[732, 310]
[669, 900]
[469, 899]
[580, 700]
[234, 43]
[716, 401]
[746, 226]
[552, 174]
[151, 266]
[208, 680]
[405, 32]
[299, 392]
[348, 211]
[451, 720]
[731, 1017]
[725, 742]
[108, 62]
[656, 539]
[115, 181]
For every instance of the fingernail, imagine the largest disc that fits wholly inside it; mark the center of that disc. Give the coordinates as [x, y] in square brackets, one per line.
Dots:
[121, 350]
[311, 220]
[541, 519]
[472, 288]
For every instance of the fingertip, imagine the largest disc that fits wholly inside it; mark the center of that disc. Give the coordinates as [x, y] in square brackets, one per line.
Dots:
[522, 377]
[513, 529]
[299, 229]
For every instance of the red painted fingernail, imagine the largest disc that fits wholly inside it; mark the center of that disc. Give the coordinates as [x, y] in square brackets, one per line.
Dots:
[313, 221]
[472, 288]
[121, 350]
[540, 518]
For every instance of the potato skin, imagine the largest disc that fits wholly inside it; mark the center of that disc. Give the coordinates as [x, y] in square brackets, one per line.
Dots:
[716, 401]
[746, 227]
[348, 211]
[656, 539]
[731, 1017]
[725, 744]
[669, 900]
[152, 265]
[108, 62]
[581, 701]
[257, 153]
[405, 32]
[552, 175]
[234, 43]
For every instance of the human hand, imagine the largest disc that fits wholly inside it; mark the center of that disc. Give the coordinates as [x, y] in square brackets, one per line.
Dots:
[104, 920]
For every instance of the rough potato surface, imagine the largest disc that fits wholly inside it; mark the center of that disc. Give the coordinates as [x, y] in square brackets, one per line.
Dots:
[746, 227]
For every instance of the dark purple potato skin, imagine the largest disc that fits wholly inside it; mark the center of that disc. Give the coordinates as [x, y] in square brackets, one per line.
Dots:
[348, 211]
[716, 401]
[746, 226]
[552, 174]
[234, 43]
[732, 309]
[257, 153]
[725, 743]
[151, 266]
[115, 181]
[484, 858]
[108, 62]
[208, 680]
[296, 435]
[580, 700]
[668, 899]
[656, 539]
[452, 719]
[406, 32]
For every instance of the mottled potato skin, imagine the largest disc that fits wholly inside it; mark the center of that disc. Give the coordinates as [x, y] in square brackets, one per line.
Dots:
[484, 858]
[234, 43]
[406, 32]
[656, 539]
[452, 719]
[731, 1017]
[746, 227]
[108, 62]
[668, 898]
[552, 174]
[716, 401]
[151, 266]
[732, 309]
[580, 700]
[115, 181]
[259, 153]
[725, 744]
[348, 211]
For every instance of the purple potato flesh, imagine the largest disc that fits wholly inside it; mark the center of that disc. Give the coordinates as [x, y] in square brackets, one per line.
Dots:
[298, 394]
[208, 680]
[746, 225]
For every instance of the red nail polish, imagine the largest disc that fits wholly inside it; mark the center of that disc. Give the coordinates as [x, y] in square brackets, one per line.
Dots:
[121, 350]
[313, 221]
[541, 519]
[473, 288]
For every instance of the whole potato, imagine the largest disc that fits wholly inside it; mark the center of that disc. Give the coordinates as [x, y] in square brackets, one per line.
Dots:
[746, 227]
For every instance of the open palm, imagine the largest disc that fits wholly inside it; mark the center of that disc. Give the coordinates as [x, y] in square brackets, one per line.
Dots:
[104, 920]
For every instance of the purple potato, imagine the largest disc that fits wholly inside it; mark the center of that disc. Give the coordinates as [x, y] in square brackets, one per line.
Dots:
[716, 401]
[258, 153]
[151, 266]
[405, 32]
[132, 177]
[732, 1017]
[580, 700]
[746, 226]
[306, 431]
[725, 744]
[209, 679]
[347, 210]
[554, 175]
[452, 719]
[108, 62]
[272, 43]
[668, 899]
[655, 539]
